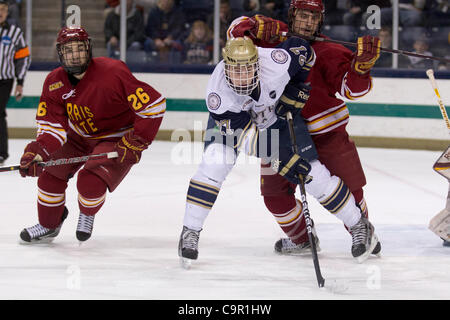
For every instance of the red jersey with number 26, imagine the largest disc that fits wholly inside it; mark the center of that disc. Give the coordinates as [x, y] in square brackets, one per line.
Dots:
[105, 104]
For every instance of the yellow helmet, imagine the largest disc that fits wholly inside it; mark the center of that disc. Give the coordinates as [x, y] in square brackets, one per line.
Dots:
[240, 56]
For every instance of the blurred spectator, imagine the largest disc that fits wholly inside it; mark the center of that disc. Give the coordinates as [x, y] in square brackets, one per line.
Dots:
[251, 7]
[268, 8]
[225, 17]
[357, 13]
[334, 11]
[140, 5]
[421, 46]
[165, 24]
[442, 66]
[410, 13]
[135, 27]
[198, 46]
[385, 59]
[438, 13]
[197, 9]
[14, 12]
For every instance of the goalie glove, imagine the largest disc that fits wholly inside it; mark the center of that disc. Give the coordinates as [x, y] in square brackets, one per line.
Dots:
[33, 154]
[130, 148]
[367, 53]
[292, 100]
[292, 167]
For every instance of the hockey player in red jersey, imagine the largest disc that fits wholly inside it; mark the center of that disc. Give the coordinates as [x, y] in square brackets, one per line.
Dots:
[337, 70]
[88, 106]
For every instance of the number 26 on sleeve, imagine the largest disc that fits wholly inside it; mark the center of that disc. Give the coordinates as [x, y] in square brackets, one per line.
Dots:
[139, 98]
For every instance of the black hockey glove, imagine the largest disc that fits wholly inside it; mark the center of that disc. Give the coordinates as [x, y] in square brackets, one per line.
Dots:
[291, 165]
[293, 99]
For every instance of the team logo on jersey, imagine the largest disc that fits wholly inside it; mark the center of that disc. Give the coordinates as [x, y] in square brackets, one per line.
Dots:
[69, 94]
[273, 94]
[55, 86]
[279, 56]
[213, 101]
[6, 40]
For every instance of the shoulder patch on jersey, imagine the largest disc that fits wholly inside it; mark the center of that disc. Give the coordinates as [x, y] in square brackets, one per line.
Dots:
[279, 56]
[213, 101]
[55, 86]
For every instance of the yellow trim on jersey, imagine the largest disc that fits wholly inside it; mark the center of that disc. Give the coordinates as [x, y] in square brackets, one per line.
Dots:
[205, 185]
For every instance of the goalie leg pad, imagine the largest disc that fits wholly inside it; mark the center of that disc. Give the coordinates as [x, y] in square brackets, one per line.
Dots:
[440, 224]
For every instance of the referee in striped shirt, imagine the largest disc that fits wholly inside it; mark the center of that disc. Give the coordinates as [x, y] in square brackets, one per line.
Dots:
[14, 63]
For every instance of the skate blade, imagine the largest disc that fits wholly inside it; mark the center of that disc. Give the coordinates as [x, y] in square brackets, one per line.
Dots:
[304, 252]
[366, 255]
[185, 263]
[33, 242]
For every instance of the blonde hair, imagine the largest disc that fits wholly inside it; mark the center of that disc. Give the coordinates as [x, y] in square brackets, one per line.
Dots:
[199, 23]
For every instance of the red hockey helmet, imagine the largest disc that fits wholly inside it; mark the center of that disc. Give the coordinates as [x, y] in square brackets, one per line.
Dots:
[313, 5]
[72, 59]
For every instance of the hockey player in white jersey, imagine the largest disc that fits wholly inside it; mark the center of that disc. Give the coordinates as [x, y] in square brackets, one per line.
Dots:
[248, 96]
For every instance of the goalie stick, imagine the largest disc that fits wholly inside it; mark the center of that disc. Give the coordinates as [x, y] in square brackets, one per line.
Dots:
[63, 161]
[440, 224]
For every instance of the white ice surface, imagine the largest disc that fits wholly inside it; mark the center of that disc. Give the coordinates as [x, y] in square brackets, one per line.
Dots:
[133, 251]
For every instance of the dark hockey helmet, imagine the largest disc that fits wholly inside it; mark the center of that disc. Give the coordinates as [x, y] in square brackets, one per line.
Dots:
[313, 5]
[75, 57]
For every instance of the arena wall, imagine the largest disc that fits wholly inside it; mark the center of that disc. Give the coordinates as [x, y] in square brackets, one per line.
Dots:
[397, 113]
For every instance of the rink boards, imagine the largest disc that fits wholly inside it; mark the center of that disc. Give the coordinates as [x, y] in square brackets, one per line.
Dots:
[397, 113]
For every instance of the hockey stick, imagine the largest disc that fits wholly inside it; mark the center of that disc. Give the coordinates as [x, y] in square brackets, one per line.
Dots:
[353, 44]
[63, 161]
[440, 224]
[442, 165]
[320, 279]
[430, 75]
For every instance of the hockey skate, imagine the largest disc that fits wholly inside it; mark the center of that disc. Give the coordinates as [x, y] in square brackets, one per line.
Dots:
[286, 246]
[364, 240]
[84, 227]
[188, 246]
[41, 234]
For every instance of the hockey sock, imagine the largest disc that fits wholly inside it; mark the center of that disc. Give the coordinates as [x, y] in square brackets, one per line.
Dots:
[359, 198]
[199, 201]
[51, 200]
[91, 192]
[289, 215]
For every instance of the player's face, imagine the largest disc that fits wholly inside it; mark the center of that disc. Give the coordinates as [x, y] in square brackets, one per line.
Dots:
[3, 12]
[241, 75]
[306, 22]
[75, 53]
